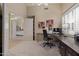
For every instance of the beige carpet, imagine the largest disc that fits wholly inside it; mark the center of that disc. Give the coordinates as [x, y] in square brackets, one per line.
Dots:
[32, 48]
[13, 43]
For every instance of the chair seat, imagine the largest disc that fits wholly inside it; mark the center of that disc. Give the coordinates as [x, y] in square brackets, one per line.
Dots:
[48, 39]
[48, 44]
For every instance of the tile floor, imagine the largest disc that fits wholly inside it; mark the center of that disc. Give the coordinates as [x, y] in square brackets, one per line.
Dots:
[32, 48]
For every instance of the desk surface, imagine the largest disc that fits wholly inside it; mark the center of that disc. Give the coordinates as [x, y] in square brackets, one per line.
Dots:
[69, 41]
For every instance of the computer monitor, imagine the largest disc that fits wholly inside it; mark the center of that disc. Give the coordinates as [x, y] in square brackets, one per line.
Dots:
[57, 29]
[54, 29]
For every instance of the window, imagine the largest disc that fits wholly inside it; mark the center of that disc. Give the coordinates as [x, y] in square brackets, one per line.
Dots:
[77, 19]
[63, 20]
[71, 20]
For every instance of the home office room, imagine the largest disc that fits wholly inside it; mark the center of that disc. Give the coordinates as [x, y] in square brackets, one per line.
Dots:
[42, 29]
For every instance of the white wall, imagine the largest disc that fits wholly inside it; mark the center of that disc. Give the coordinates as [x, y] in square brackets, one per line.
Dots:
[6, 30]
[66, 6]
[19, 10]
[53, 12]
[31, 10]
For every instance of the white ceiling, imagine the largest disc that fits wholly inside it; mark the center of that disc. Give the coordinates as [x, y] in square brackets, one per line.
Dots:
[38, 4]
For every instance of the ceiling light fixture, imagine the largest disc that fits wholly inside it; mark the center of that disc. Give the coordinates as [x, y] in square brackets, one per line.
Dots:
[40, 4]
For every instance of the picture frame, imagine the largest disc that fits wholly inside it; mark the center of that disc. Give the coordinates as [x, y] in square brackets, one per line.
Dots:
[41, 24]
[49, 22]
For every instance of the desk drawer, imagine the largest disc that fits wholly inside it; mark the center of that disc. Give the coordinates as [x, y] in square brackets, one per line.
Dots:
[62, 48]
[71, 52]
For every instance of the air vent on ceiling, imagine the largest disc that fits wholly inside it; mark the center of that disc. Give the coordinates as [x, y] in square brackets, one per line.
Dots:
[46, 8]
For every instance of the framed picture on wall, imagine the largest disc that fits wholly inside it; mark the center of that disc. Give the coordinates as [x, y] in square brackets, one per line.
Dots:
[41, 24]
[49, 22]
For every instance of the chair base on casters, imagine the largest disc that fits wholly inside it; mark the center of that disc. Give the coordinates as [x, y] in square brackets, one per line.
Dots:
[48, 44]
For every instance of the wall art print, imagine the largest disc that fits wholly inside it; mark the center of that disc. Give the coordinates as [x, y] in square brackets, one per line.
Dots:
[41, 24]
[49, 22]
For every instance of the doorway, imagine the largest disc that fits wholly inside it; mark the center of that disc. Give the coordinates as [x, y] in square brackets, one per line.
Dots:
[33, 17]
[29, 25]
[28, 29]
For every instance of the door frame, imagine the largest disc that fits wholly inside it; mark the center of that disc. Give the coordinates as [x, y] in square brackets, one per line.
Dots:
[33, 25]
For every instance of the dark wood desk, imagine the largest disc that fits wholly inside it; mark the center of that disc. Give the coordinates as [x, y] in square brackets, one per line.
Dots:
[67, 46]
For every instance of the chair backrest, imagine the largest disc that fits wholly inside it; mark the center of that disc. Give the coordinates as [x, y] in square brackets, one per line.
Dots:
[45, 34]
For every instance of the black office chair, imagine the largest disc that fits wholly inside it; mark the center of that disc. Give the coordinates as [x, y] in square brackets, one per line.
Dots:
[47, 39]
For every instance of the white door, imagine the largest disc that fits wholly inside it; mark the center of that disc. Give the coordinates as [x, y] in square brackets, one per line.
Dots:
[28, 29]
